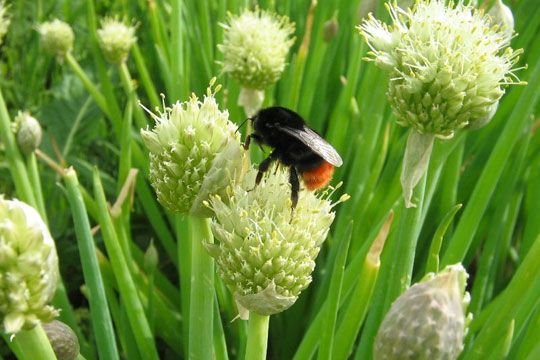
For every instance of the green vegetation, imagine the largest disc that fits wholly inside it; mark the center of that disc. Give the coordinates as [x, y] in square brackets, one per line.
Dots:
[90, 179]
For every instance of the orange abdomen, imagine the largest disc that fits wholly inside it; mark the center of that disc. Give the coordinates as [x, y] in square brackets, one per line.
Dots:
[318, 177]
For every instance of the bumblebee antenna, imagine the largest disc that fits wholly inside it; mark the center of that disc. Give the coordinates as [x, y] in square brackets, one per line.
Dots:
[242, 124]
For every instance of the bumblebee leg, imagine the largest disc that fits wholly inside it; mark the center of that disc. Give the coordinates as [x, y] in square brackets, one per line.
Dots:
[264, 165]
[295, 188]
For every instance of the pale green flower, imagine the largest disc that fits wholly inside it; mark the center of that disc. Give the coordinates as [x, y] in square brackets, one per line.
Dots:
[28, 132]
[428, 321]
[255, 47]
[448, 64]
[195, 151]
[4, 20]
[56, 38]
[28, 268]
[116, 39]
[266, 253]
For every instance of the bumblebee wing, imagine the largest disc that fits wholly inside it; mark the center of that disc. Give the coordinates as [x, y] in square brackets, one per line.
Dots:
[316, 143]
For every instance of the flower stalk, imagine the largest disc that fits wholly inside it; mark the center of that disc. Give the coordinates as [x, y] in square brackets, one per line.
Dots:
[34, 344]
[201, 309]
[257, 336]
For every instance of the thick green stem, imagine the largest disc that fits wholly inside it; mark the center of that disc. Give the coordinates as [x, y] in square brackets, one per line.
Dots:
[33, 174]
[34, 344]
[257, 336]
[128, 291]
[201, 305]
[99, 310]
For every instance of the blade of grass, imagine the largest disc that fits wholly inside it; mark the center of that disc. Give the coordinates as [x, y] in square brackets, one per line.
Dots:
[360, 299]
[328, 337]
[476, 206]
[99, 310]
[137, 319]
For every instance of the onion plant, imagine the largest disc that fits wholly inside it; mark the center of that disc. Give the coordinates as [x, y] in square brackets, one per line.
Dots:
[132, 225]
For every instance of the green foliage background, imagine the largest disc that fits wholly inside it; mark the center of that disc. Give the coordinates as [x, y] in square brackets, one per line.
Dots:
[493, 172]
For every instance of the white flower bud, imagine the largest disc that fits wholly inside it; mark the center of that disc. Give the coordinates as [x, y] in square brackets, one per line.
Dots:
[56, 38]
[28, 267]
[255, 45]
[428, 321]
[116, 39]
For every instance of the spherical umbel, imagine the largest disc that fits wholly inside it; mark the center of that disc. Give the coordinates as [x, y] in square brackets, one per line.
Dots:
[28, 268]
[264, 253]
[56, 38]
[194, 152]
[428, 321]
[255, 47]
[448, 64]
[116, 39]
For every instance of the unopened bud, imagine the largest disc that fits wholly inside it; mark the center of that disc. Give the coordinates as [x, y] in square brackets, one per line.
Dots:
[28, 132]
[330, 30]
[428, 320]
[116, 39]
[151, 258]
[63, 340]
[56, 38]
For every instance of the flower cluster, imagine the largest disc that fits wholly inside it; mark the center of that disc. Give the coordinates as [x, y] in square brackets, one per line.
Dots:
[56, 38]
[255, 46]
[116, 39]
[266, 254]
[28, 267]
[447, 64]
[428, 321]
[194, 151]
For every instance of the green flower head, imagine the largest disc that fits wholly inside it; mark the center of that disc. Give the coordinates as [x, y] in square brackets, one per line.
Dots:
[56, 38]
[116, 39]
[28, 268]
[266, 254]
[447, 63]
[195, 151]
[428, 321]
[255, 46]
